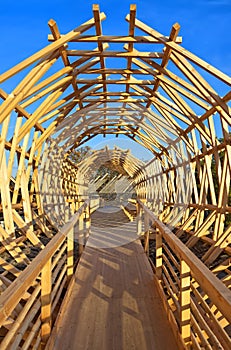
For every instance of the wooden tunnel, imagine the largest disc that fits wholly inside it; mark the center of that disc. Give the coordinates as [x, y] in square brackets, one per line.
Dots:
[159, 95]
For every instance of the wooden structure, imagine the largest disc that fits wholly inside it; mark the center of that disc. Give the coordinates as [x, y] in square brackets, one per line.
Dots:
[113, 302]
[163, 97]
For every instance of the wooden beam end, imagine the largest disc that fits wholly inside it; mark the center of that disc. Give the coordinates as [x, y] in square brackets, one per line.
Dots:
[95, 7]
[102, 16]
[176, 26]
[51, 22]
[127, 17]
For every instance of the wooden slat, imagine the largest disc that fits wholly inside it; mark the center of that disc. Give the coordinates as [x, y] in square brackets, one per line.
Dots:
[167, 53]
[115, 54]
[50, 48]
[155, 34]
[10, 298]
[46, 285]
[211, 285]
[117, 39]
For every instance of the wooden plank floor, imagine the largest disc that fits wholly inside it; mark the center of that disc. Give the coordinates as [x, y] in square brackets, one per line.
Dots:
[113, 304]
[110, 227]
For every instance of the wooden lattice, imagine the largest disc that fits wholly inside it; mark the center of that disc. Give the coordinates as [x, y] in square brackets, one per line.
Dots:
[162, 96]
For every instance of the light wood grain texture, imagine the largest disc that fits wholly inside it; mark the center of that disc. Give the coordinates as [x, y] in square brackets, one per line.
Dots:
[146, 86]
[113, 303]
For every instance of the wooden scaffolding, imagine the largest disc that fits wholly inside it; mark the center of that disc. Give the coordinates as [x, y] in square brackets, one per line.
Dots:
[156, 93]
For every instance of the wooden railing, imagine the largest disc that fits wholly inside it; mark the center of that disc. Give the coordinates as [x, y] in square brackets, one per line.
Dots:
[29, 305]
[197, 302]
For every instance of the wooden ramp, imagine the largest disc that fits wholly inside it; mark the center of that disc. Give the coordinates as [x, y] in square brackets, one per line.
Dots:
[113, 303]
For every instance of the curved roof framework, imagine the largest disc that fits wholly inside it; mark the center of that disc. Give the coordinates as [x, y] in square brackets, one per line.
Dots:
[79, 182]
[121, 160]
[144, 85]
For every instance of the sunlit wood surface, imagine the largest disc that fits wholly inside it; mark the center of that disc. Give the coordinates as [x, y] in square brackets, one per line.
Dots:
[141, 86]
[113, 303]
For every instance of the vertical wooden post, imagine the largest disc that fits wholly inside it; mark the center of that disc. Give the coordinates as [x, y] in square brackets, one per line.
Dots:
[77, 205]
[72, 206]
[146, 230]
[70, 248]
[81, 233]
[159, 258]
[70, 254]
[139, 219]
[185, 302]
[88, 222]
[46, 284]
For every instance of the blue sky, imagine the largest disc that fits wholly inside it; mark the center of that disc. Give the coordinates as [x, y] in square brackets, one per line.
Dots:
[205, 24]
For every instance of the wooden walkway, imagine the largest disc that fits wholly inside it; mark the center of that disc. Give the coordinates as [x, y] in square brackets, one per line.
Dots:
[113, 303]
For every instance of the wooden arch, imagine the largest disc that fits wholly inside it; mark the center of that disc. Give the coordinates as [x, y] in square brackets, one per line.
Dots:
[163, 96]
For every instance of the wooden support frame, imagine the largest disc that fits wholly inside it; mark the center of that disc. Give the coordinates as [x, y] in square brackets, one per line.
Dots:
[188, 277]
[160, 97]
[46, 286]
[139, 220]
[42, 270]
[185, 313]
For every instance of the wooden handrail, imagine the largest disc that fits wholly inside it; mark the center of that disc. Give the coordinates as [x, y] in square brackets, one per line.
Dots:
[11, 296]
[215, 289]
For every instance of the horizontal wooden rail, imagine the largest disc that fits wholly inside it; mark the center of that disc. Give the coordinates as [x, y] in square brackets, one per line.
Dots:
[46, 272]
[210, 283]
[199, 303]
